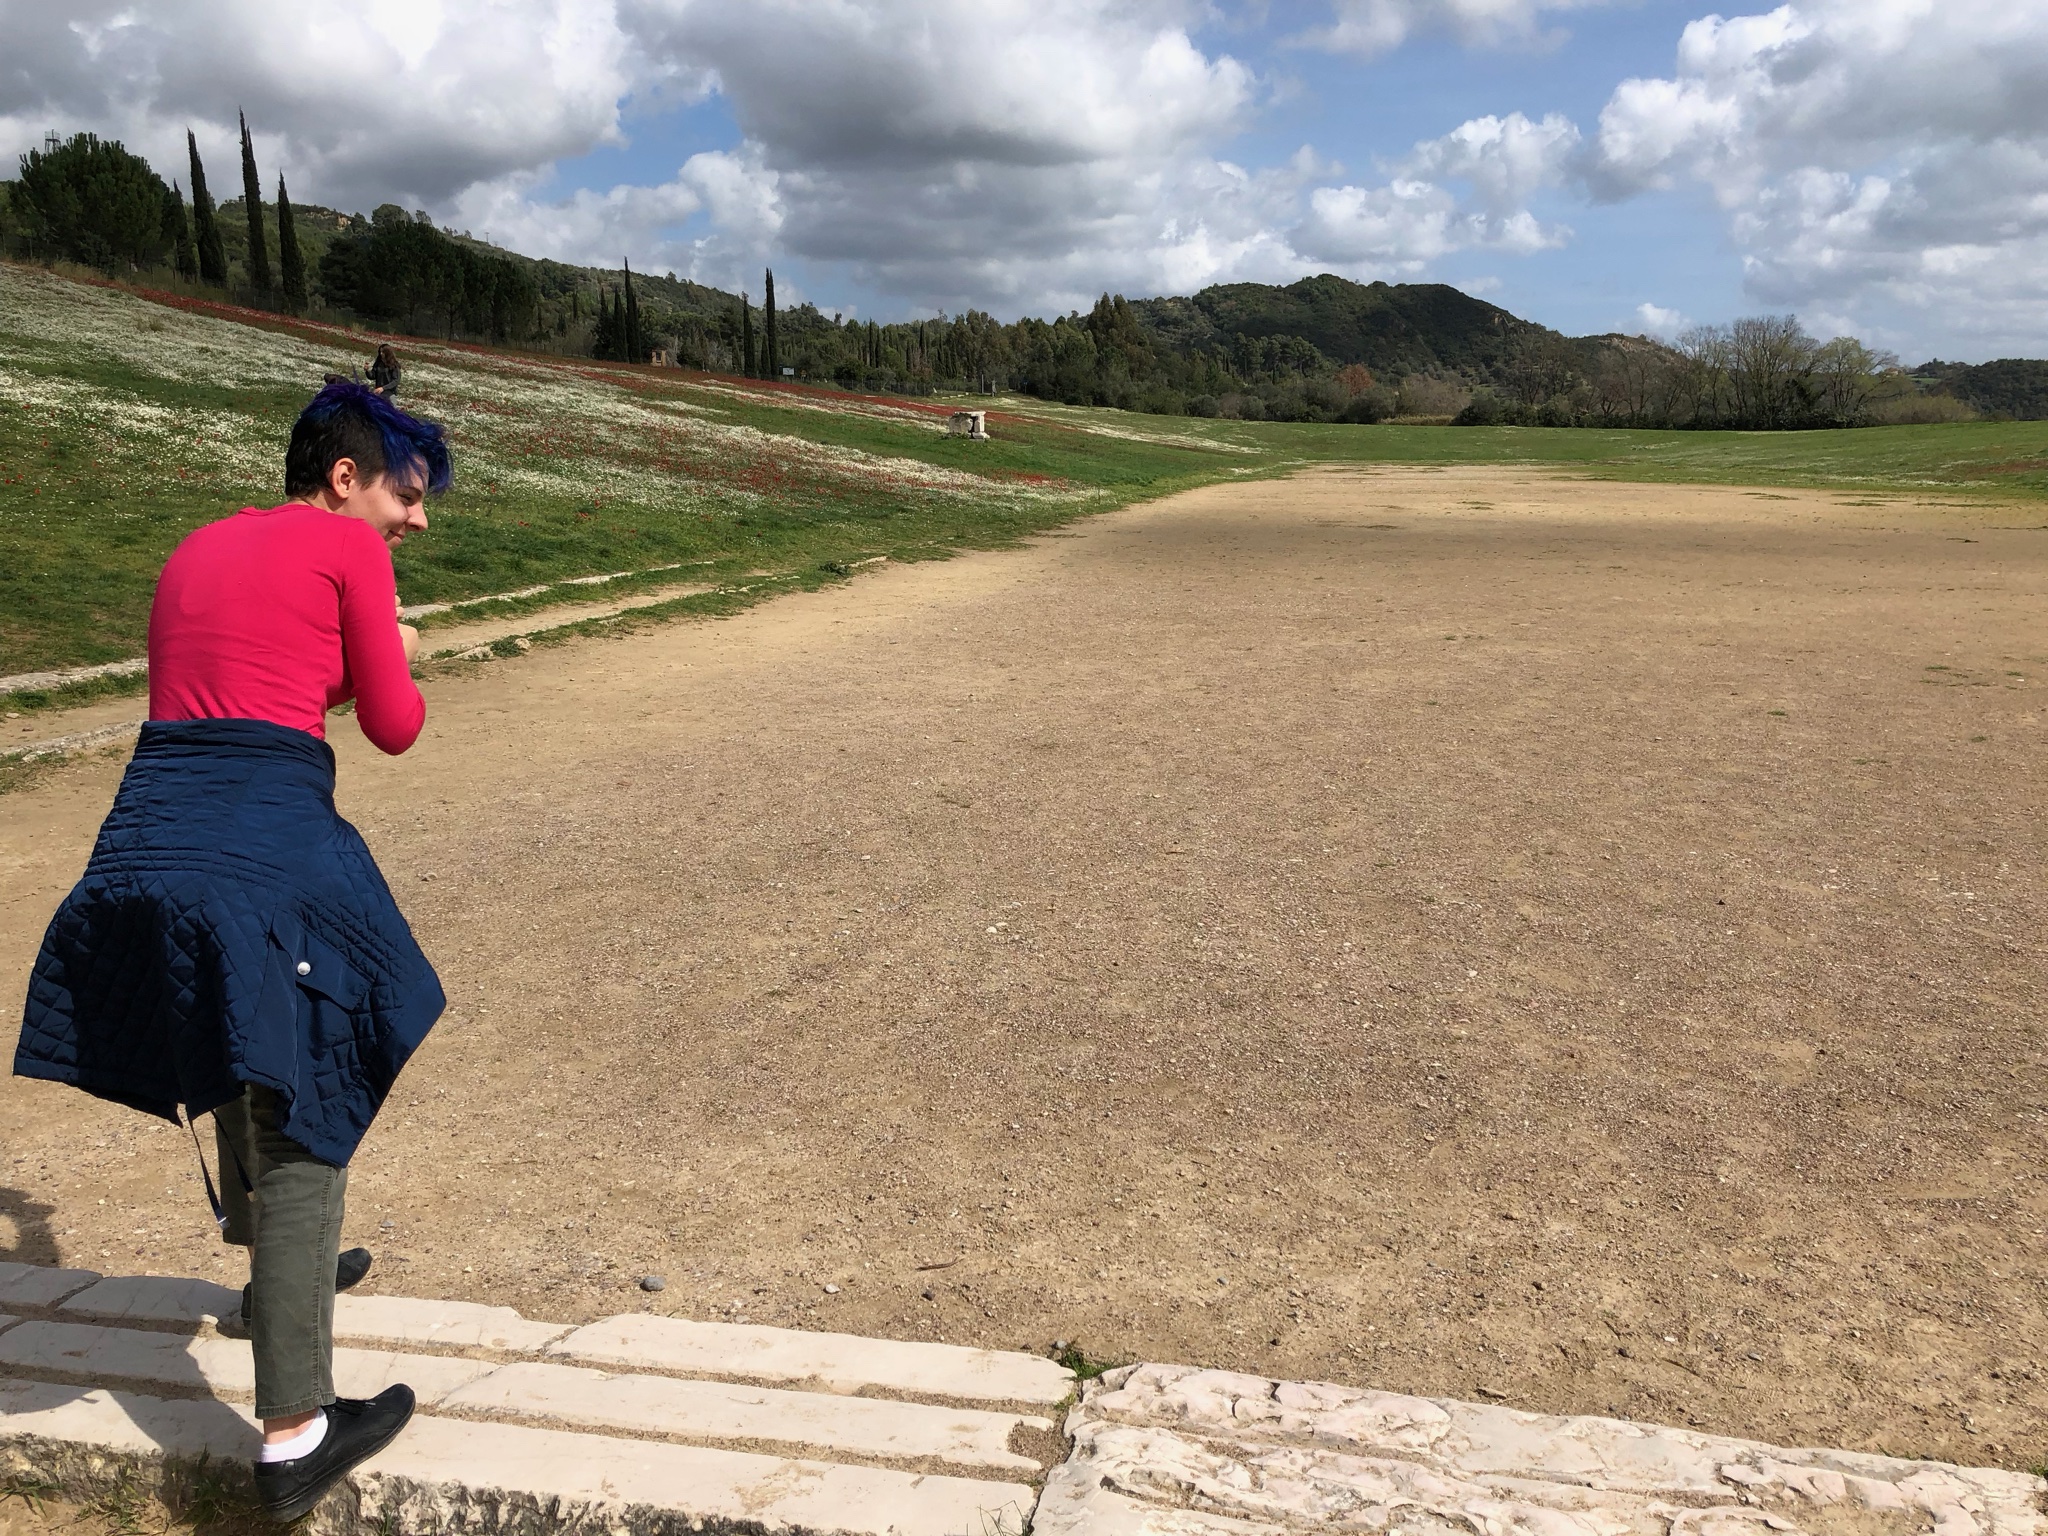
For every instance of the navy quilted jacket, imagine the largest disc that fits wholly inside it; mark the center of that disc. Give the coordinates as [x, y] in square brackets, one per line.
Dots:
[230, 929]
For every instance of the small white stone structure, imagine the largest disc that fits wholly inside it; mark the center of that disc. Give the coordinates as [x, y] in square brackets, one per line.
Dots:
[972, 424]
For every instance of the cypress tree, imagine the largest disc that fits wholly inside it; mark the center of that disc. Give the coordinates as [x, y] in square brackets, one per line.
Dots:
[636, 350]
[291, 264]
[178, 235]
[772, 367]
[252, 204]
[746, 335]
[213, 261]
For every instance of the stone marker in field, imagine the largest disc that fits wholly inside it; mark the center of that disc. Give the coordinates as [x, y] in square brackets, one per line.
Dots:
[972, 424]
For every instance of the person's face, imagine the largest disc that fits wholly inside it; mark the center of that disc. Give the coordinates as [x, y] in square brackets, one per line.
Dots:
[393, 504]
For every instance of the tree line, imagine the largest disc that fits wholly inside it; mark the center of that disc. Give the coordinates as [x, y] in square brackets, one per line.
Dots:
[1762, 373]
[91, 201]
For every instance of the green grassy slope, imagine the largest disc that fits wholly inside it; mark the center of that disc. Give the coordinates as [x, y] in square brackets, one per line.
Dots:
[125, 422]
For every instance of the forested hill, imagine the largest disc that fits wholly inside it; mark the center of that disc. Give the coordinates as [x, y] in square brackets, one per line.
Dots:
[2011, 386]
[1392, 329]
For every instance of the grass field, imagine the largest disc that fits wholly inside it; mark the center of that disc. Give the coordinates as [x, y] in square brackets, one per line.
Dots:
[126, 421]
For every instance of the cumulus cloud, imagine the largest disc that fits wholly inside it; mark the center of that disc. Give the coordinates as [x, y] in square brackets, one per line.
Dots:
[402, 100]
[1413, 219]
[1013, 151]
[1369, 28]
[1883, 161]
[1657, 320]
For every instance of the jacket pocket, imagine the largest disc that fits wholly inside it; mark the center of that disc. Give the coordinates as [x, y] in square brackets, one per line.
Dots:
[323, 970]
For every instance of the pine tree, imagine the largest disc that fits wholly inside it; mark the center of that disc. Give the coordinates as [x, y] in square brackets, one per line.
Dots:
[291, 264]
[772, 365]
[258, 261]
[213, 261]
[746, 335]
[636, 350]
[178, 235]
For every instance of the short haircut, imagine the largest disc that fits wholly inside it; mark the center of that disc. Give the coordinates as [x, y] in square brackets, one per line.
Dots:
[347, 420]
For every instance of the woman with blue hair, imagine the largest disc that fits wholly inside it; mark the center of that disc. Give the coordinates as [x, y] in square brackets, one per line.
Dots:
[231, 946]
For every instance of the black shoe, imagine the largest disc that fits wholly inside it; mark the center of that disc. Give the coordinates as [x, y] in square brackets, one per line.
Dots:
[357, 1429]
[350, 1267]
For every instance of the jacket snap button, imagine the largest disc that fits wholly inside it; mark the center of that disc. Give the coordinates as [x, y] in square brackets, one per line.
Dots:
[305, 967]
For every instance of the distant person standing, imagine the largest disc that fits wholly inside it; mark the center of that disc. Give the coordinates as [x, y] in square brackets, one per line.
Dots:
[231, 946]
[385, 372]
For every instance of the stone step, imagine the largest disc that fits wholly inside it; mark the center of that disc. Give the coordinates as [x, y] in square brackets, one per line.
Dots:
[210, 1363]
[447, 1324]
[37, 1285]
[871, 1428]
[699, 1411]
[168, 1299]
[444, 1474]
[1177, 1451]
[837, 1362]
[400, 1320]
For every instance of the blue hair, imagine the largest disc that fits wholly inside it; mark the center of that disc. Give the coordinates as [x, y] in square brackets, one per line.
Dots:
[347, 420]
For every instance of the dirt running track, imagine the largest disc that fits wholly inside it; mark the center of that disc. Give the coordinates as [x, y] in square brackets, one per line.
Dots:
[1460, 932]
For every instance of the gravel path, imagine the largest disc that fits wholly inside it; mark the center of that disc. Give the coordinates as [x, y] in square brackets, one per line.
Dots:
[1458, 932]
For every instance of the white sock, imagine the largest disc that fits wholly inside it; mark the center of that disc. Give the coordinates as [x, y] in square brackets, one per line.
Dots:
[304, 1443]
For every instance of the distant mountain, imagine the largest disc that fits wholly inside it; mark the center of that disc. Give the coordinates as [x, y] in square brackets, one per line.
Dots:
[1392, 329]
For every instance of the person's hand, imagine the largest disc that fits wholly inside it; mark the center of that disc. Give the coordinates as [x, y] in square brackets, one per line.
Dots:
[408, 636]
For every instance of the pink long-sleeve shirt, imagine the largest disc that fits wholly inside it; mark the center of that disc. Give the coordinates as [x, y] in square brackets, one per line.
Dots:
[280, 614]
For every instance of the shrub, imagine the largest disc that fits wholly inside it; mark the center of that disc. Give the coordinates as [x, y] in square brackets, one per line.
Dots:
[1918, 410]
[1484, 409]
[1422, 395]
[1375, 404]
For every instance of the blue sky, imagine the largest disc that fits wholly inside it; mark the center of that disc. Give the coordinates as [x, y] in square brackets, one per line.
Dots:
[1879, 167]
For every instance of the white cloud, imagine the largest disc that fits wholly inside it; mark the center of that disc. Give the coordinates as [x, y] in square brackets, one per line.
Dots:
[1883, 162]
[1010, 152]
[1369, 28]
[602, 227]
[931, 82]
[1506, 159]
[1413, 219]
[390, 101]
[1656, 320]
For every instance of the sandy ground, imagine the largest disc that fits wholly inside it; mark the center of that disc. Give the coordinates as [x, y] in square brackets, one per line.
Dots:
[1460, 932]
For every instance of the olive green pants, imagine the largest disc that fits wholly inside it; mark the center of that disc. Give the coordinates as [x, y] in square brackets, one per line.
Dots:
[284, 1205]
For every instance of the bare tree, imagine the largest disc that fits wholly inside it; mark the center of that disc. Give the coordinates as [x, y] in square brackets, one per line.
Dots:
[1700, 385]
[1846, 378]
[1770, 360]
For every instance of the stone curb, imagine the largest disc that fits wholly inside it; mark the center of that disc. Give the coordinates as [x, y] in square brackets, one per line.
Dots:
[135, 1376]
[646, 1426]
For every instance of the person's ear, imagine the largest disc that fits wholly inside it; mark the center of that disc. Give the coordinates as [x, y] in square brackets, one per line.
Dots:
[343, 480]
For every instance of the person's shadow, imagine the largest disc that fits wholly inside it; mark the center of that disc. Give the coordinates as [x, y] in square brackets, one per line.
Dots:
[33, 1241]
[203, 1476]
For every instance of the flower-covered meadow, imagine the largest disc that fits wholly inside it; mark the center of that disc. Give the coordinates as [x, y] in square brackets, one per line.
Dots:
[126, 420]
